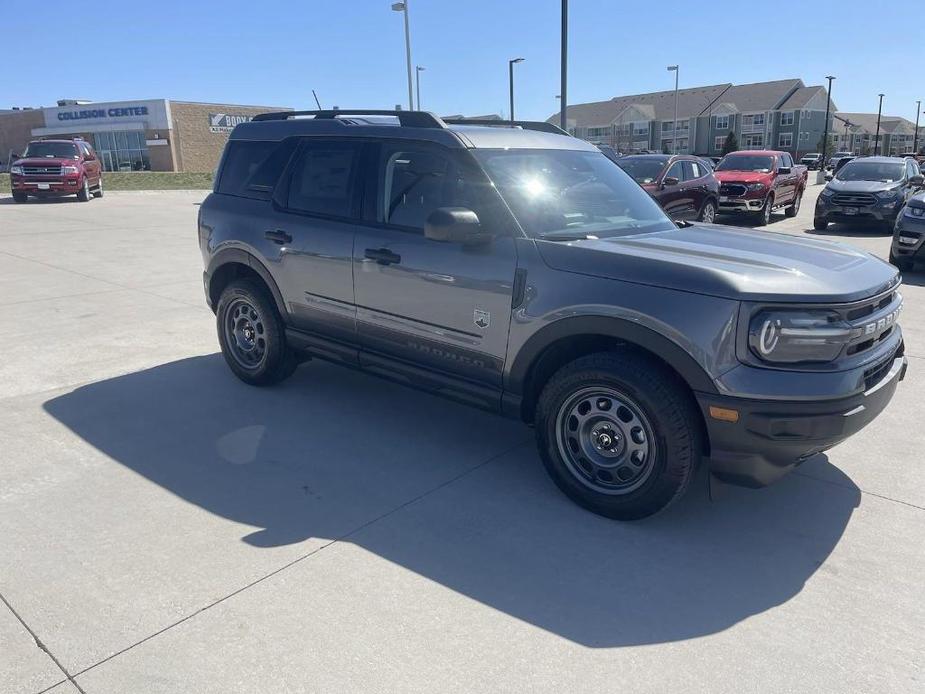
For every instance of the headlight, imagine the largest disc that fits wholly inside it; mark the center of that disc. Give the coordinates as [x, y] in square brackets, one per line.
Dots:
[914, 211]
[798, 336]
[16, 170]
[827, 192]
[69, 169]
[888, 194]
[755, 186]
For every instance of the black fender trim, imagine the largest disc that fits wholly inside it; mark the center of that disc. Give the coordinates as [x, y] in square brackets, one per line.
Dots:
[667, 350]
[242, 257]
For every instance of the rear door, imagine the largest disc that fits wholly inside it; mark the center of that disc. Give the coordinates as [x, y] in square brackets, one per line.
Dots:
[695, 187]
[786, 184]
[440, 305]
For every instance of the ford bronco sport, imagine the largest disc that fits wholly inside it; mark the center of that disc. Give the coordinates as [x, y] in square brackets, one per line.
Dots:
[518, 269]
[55, 168]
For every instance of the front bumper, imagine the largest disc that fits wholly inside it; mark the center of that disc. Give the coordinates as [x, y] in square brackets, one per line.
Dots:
[39, 186]
[909, 238]
[750, 202]
[771, 437]
[879, 212]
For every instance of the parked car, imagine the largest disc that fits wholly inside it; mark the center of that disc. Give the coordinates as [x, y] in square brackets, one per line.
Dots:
[833, 160]
[756, 182]
[908, 245]
[610, 152]
[839, 165]
[522, 272]
[54, 168]
[683, 185]
[812, 161]
[869, 189]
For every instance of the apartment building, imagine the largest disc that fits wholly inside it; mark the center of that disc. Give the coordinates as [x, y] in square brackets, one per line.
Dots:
[782, 114]
[857, 132]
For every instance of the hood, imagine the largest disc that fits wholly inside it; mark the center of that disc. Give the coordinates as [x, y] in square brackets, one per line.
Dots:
[742, 176]
[729, 262]
[859, 186]
[45, 161]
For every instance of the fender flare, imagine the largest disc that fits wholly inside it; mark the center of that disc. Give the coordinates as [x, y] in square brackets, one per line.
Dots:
[239, 256]
[662, 347]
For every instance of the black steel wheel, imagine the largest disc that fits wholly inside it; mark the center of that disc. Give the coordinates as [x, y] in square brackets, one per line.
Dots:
[252, 334]
[619, 433]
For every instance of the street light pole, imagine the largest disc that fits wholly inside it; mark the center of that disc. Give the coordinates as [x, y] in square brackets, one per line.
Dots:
[403, 7]
[510, 75]
[563, 69]
[417, 82]
[674, 130]
[825, 129]
[877, 136]
[915, 138]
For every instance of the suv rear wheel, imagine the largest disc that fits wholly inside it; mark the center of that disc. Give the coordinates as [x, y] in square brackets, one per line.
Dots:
[252, 335]
[708, 213]
[84, 193]
[618, 435]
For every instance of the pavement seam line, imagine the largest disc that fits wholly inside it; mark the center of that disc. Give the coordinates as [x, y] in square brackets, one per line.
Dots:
[299, 559]
[42, 646]
[862, 491]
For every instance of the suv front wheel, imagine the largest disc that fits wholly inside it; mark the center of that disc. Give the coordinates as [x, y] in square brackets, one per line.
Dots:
[618, 434]
[252, 335]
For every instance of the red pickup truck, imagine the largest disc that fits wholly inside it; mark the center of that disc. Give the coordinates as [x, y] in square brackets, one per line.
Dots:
[756, 182]
[52, 168]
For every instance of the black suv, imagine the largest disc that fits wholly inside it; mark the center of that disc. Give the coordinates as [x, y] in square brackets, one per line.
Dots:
[868, 189]
[517, 269]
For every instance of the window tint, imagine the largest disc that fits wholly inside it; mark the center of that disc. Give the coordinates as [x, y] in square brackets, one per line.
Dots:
[242, 159]
[691, 170]
[323, 180]
[416, 180]
[675, 171]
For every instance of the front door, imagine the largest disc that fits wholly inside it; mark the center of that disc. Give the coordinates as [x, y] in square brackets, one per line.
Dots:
[436, 304]
[674, 197]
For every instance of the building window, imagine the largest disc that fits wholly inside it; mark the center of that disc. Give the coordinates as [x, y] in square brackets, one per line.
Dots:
[122, 150]
[786, 118]
[753, 141]
[722, 122]
[718, 142]
[754, 119]
[785, 140]
[640, 128]
[805, 115]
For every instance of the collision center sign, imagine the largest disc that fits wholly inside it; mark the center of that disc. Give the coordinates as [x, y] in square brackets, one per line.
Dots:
[97, 113]
[225, 122]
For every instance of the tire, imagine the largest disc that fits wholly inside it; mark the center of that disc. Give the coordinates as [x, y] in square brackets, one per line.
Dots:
[903, 264]
[252, 334]
[707, 213]
[621, 394]
[84, 193]
[98, 193]
[19, 197]
[764, 217]
[795, 207]
[819, 224]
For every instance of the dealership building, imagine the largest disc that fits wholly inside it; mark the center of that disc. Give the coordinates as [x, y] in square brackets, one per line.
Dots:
[141, 135]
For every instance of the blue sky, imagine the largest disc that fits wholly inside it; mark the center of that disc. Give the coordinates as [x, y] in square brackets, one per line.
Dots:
[352, 52]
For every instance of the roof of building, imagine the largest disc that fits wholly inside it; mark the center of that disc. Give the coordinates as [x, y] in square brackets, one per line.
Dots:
[761, 96]
[802, 96]
[655, 106]
[867, 122]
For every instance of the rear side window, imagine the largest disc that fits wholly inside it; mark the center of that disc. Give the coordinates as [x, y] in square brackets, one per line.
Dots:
[252, 168]
[691, 170]
[324, 179]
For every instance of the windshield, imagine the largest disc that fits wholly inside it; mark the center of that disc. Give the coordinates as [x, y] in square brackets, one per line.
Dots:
[746, 162]
[52, 150]
[885, 172]
[642, 170]
[571, 194]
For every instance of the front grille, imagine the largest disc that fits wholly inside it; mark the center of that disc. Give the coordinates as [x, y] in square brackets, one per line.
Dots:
[873, 319]
[42, 170]
[735, 190]
[854, 199]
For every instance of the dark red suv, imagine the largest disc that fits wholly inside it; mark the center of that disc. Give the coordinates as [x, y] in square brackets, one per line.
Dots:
[683, 185]
[53, 168]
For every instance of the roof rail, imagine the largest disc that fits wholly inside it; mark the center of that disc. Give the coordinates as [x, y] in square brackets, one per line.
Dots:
[539, 125]
[407, 119]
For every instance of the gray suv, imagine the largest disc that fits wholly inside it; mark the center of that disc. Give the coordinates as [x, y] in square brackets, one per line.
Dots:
[520, 270]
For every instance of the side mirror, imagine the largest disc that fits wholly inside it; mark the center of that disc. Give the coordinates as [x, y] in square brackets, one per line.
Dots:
[784, 170]
[670, 181]
[456, 225]
[918, 180]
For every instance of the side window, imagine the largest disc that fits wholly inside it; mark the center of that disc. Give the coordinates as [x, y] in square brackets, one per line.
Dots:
[85, 151]
[324, 180]
[910, 169]
[676, 171]
[414, 180]
[252, 168]
[691, 170]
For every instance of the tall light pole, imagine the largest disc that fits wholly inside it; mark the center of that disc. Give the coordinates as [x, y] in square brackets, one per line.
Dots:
[825, 130]
[877, 136]
[915, 138]
[403, 7]
[417, 82]
[510, 75]
[563, 69]
[674, 131]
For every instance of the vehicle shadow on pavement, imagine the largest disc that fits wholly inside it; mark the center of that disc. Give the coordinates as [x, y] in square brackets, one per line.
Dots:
[857, 231]
[331, 451]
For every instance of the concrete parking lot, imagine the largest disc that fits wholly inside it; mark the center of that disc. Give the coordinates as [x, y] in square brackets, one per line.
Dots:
[165, 528]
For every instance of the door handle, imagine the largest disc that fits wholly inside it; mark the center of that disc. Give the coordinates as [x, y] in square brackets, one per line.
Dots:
[278, 236]
[383, 256]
